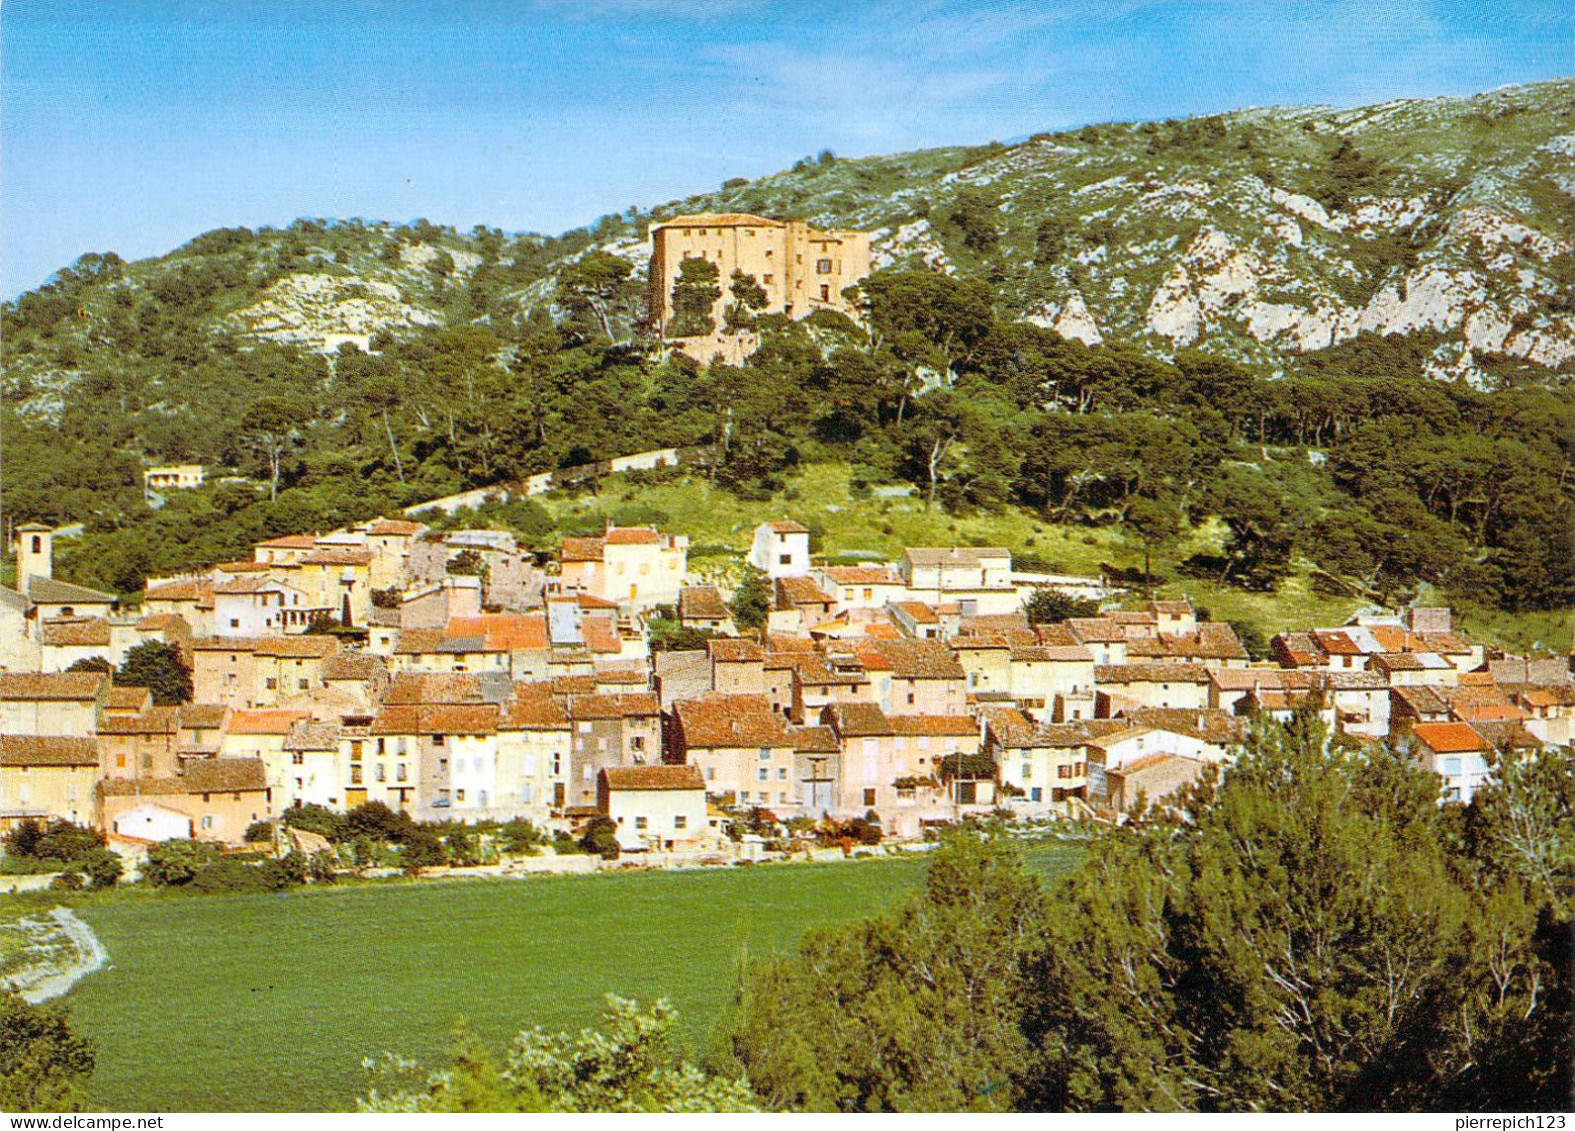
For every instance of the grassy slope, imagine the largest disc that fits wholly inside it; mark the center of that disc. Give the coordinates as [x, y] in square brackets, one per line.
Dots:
[882, 527]
[270, 1002]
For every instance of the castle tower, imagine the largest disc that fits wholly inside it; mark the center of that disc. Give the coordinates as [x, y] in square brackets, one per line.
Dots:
[35, 554]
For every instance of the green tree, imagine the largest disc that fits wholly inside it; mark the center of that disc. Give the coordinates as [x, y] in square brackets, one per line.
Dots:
[158, 667]
[272, 428]
[749, 297]
[1154, 524]
[974, 213]
[1048, 605]
[751, 603]
[597, 289]
[917, 1010]
[694, 298]
[1261, 535]
[44, 1065]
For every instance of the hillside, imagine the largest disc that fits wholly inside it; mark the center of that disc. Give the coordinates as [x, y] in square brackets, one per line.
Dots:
[1334, 338]
[1260, 234]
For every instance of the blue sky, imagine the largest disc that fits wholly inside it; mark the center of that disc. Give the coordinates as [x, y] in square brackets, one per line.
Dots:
[132, 125]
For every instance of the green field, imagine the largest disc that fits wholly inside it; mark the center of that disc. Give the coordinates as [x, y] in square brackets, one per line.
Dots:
[271, 1002]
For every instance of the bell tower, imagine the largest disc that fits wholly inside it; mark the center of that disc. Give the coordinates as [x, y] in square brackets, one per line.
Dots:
[34, 554]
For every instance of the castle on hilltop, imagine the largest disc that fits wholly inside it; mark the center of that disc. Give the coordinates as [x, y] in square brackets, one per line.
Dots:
[801, 270]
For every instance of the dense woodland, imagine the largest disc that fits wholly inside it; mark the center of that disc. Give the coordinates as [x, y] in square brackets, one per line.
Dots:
[1380, 477]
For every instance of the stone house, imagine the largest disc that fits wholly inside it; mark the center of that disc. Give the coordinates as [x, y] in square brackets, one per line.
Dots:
[46, 778]
[54, 704]
[655, 808]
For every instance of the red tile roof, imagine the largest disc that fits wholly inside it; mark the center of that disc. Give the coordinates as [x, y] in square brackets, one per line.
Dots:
[338, 556]
[32, 750]
[631, 536]
[56, 686]
[264, 722]
[649, 778]
[582, 550]
[479, 718]
[393, 526]
[1449, 738]
[632, 706]
[503, 632]
[713, 721]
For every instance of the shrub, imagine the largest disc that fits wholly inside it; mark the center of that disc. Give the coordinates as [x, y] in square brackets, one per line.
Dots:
[68, 881]
[103, 867]
[520, 835]
[318, 819]
[601, 838]
[259, 832]
[227, 876]
[175, 863]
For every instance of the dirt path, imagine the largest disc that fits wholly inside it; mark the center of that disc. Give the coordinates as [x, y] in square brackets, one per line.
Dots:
[89, 955]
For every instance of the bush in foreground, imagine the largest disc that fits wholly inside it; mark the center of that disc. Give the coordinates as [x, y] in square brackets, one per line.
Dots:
[628, 1066]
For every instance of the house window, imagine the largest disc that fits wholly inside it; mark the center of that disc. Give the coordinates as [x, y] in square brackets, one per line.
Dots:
[782, 773]
[869, 797]
[680, 822]
[1451, 767]
[1036, 794]
[303, 684]
[272, 684]
[825, 294]
[235, 622]
[639, 822]
[784, 559]
[1063, 771]
[207, 822]
[710, 773]
[765, 774]
[382, 772]
[459, 795]
[765, 753]
[399, 772]
[297, 759]
[768, 279]
[1028, 771]
[120, 761]
[637, 742]
[438, 740]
